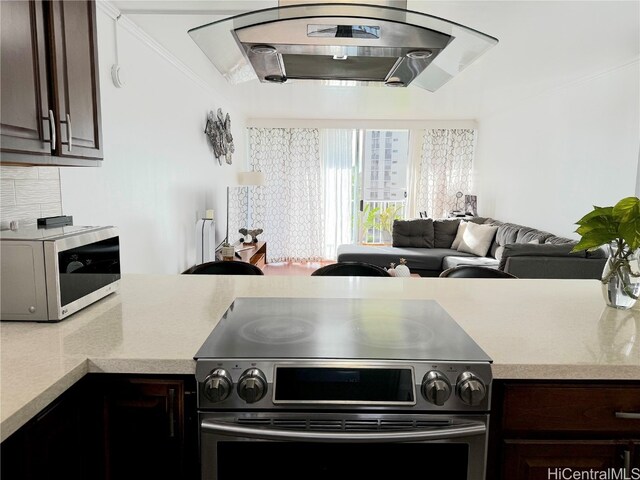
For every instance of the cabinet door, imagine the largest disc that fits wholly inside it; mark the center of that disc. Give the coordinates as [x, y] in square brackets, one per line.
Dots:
[24, 125]
[144, 429]
[57, 443]
[542, 459]
[75, 80]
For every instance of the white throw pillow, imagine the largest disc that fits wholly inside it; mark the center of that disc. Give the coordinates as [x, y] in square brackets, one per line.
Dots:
[456, 241]
[477, 239]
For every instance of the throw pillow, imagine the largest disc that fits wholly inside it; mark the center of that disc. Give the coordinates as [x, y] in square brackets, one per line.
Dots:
[445, 232]
[456, 241]
[413, 233]
[477, 239]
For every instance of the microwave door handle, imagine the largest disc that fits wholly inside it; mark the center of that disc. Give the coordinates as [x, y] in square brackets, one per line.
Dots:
[442, 433]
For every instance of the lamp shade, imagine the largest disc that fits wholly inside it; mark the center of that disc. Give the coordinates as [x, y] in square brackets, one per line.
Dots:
[251, 178]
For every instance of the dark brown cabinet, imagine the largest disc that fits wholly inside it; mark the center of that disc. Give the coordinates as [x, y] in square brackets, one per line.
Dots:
[147, 429]
[543, 427]
[50, 86]
[55, 444]
[535, 459]
[110, 427]
[24, 125]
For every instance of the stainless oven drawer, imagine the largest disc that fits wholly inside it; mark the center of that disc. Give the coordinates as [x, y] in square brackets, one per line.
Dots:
[333, 446]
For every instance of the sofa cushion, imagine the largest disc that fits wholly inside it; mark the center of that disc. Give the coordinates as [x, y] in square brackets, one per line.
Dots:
[445, 232]
[477, 239]
[500, 249]
[506, 233]
[456, 261]
[544, 250]
[417, 258]
[554, 240]
[526, 235]
[413, 233]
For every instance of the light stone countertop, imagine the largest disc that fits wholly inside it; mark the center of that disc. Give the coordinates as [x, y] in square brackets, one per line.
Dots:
[532, 329]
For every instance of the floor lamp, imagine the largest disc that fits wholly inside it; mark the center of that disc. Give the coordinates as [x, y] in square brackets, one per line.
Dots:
[244, 179]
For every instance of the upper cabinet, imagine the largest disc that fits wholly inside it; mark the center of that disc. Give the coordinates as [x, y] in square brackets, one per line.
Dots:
[50, 88]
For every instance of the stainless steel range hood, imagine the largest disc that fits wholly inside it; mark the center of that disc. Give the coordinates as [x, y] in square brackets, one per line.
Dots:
[341, 44]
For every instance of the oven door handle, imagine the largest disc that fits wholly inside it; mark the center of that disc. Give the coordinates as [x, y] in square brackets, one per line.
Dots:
[441, 433]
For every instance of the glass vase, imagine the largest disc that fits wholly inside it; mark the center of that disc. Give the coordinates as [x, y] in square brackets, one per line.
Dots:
[621, 278]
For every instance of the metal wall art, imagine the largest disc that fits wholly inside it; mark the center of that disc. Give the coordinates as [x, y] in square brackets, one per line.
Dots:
[218, 131]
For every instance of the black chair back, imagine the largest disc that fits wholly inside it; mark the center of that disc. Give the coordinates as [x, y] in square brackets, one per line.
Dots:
[351, 269]
[473, 271]
[225, 268]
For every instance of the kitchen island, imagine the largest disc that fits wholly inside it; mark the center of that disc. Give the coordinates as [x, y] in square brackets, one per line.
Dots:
[541, 334]
[532, 329]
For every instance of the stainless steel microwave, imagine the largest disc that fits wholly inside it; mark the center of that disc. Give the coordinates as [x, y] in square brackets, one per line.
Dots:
[48, 274]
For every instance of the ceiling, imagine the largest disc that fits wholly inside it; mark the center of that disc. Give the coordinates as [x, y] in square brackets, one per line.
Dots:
[543, 45]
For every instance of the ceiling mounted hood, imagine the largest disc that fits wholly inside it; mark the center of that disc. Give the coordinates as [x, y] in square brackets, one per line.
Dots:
[341, 44]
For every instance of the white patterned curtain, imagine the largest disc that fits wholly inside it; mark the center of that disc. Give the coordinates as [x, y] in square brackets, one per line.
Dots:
[446, 167]
[337, 154]
[290, 206]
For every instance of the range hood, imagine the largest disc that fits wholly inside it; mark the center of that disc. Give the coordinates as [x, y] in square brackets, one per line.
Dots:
[341, 44]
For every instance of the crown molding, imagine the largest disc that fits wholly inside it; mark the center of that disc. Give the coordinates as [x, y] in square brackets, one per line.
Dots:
[127, 24]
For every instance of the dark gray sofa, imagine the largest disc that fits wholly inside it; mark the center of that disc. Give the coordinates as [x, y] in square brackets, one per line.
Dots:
[510, 251]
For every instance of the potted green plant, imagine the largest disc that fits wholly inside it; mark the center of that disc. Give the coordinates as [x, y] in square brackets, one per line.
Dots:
[617, 228]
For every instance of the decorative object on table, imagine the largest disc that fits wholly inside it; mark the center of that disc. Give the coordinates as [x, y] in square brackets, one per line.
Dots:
[402, 270]
[618, 228]
[251, 236]
[244, 179]
[392, 270]
[228, 252]
[471, 205]
[218, 130]
[457, 212]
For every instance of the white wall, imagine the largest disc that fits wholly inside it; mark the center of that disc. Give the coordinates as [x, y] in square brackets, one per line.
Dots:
[159, 173]
[545, 161]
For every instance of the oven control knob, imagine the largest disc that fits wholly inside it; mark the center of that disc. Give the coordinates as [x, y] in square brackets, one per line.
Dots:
[471, 389]
[217, 386]
[252, 385]
[436, 388]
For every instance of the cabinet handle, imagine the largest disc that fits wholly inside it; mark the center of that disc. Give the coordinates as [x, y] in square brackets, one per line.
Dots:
[627, 463]
[69, 134]
[52, 130]
[628, 415]
[69, 142]
[172, 404]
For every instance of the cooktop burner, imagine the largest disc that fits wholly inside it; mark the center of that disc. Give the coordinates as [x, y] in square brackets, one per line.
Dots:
[338, 328]
[277, 330]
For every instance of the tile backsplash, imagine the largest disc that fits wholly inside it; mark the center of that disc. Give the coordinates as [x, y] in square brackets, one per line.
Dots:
[27, 193]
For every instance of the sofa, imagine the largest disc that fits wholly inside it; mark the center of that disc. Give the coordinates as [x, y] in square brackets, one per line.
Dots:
[523, 251]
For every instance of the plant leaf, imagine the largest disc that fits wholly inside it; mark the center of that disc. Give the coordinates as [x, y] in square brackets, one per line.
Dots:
[627, 209]
[597, 212]
[594, 239]
[630, 232]
[598, 223]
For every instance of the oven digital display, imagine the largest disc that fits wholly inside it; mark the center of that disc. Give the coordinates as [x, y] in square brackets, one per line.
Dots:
[334, 384]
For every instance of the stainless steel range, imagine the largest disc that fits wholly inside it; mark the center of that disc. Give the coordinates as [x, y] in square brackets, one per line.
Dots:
[341, 388]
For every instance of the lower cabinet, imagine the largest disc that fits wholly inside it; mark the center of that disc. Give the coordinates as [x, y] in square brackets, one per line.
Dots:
[109, 427]
[52, 445]
[549, 430]
[148, 429]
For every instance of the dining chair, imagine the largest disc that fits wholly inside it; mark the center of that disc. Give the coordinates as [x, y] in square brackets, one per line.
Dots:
[225, 268]
[475, 271]
[351, 269]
